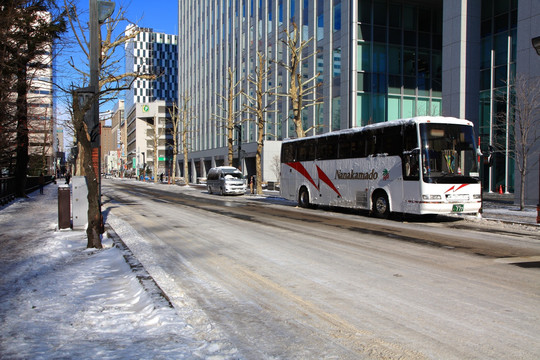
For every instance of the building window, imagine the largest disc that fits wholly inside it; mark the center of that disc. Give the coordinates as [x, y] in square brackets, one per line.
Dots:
[337, 16]
[336, 113]
[320, 20]
[336, 63]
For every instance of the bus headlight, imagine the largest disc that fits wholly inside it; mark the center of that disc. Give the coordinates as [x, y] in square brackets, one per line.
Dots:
[431, 197]
[477, 196]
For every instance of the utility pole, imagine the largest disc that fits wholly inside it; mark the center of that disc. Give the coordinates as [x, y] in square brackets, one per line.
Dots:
[99, 12]
[536, 45]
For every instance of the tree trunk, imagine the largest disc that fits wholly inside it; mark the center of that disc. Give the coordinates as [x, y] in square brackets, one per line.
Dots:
[258, 160]
[156, 153]
[522, 185]
[94, 229]
[185, 153]
[175, 157]
[95, 224]
[22, 132]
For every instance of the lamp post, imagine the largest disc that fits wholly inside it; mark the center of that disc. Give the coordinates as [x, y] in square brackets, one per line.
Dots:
[99, 12]
[238, 128]
[536, 45]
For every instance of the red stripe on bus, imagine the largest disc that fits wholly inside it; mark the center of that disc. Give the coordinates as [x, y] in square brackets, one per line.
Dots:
[326, 180]
[302, 170]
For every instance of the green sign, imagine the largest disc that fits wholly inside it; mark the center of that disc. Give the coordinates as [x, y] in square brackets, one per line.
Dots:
[134, 163]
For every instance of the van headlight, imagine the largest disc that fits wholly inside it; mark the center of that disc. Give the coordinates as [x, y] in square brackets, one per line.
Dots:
[431, 197]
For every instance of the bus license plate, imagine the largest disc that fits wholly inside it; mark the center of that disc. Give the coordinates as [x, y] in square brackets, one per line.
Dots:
[458, 208]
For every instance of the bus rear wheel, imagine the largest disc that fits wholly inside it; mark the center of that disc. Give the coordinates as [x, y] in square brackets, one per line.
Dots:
[381, 205]
[303, 198]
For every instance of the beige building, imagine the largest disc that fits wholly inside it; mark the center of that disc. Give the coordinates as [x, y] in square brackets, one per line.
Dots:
[119, 132]
[41, 117]
[140, 138]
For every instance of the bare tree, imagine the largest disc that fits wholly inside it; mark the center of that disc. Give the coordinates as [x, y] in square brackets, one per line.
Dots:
[175, 121]
[259, 107]
[520, 126]
[230, 119]
[41, 133]
[276, 166]
[184, 120]
[157, 131]
[27, 27]
[301, 91]
[111, 82]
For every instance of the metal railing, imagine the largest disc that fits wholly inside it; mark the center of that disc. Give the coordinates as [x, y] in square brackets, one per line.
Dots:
[7, 186]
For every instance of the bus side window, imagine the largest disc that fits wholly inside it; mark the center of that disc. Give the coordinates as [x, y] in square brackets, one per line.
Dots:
[369, 141]
[327, 148]
[391, 141]
[288, 152]
[357, 145]
[307, 150]
[344, 146]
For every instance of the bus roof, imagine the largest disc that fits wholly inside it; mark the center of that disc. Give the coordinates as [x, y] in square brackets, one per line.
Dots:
[417, 120]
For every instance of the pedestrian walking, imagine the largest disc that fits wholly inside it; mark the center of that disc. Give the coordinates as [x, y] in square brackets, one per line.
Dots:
[68, 177]
[41, 183]
[252, 185]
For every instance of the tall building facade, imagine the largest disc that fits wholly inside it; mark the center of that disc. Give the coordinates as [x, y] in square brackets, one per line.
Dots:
[378, 60]
[119, 131]
[147, 101]
[487, 45]
[41, 111]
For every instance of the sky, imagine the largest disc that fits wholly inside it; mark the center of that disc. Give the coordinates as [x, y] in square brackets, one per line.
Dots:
[161, 16]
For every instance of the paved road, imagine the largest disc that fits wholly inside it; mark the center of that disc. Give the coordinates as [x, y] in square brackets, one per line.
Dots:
[292, 283]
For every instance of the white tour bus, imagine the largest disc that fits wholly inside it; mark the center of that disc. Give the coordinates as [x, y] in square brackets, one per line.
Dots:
[423, 165]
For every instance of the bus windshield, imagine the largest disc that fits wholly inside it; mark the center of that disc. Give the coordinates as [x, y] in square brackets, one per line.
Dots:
[448, 153]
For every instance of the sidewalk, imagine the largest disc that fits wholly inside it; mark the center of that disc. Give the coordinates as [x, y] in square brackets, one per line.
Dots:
[59, 300]
[501, 207]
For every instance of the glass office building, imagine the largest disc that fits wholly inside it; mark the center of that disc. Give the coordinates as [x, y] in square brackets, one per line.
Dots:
[378, 60]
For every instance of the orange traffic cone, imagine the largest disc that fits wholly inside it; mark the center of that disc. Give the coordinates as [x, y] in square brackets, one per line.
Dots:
[500, 189]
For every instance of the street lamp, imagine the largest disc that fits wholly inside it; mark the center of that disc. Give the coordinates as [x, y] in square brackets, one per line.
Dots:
[105, 10]
[536, 45]
[238, 128]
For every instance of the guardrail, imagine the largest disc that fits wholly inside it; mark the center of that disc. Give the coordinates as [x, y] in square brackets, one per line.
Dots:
[7, 186]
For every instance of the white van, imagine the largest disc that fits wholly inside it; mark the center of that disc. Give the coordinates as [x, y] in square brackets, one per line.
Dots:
[226, 180]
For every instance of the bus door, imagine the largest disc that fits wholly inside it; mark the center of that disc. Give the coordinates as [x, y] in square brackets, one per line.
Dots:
[411, 166]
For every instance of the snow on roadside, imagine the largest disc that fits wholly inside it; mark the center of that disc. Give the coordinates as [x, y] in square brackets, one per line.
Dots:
[61, 300]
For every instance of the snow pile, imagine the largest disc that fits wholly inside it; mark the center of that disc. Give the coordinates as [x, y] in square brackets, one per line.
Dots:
[61, 300]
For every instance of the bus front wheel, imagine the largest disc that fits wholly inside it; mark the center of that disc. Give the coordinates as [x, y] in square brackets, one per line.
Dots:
[381, 205]
[303, 198]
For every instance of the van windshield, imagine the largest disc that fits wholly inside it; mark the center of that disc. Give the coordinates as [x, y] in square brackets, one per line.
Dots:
[233, 175]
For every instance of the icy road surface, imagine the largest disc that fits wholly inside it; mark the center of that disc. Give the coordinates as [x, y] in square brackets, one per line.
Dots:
[286, 283]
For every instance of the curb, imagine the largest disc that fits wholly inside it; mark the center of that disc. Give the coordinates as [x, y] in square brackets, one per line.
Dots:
[148, 283]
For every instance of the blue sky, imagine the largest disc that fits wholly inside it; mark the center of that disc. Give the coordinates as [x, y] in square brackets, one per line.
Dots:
[161, 15]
